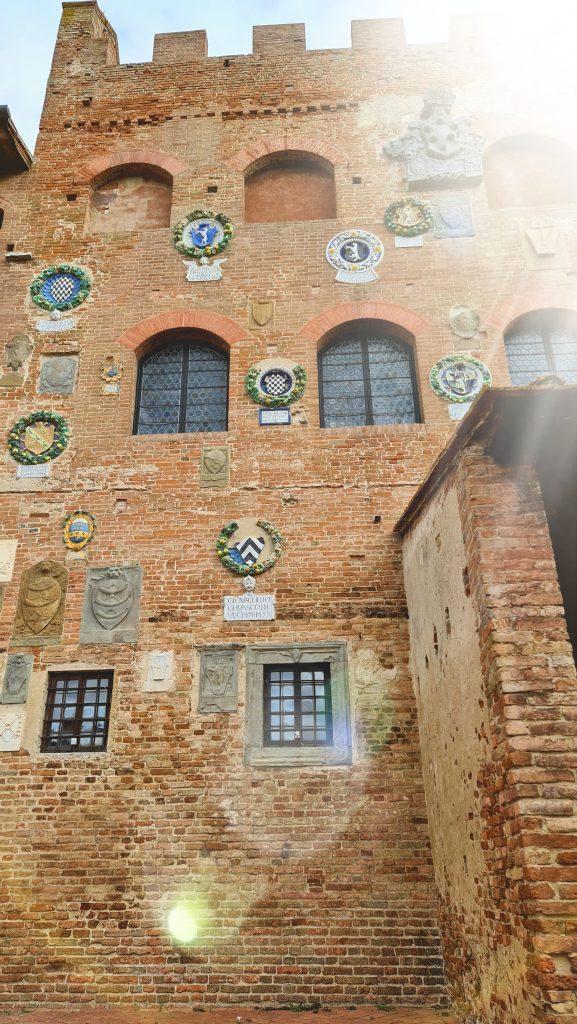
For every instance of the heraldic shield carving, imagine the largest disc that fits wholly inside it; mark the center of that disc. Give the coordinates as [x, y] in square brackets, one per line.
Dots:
[40, 610]
[111, 605]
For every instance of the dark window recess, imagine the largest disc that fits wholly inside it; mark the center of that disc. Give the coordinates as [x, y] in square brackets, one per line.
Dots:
[1, 218]
[212, 188]
[367, 378]
[297, 706]
[542, 343]
[77, 711]
[182, 388]
[357, 181]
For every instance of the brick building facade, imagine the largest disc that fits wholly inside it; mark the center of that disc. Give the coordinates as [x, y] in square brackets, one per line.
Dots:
[310, 856]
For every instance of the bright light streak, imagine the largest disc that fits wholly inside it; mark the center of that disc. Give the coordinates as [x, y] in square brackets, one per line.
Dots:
[182, 924]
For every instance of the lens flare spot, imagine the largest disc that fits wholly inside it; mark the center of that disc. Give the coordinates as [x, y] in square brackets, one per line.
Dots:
[182, 924]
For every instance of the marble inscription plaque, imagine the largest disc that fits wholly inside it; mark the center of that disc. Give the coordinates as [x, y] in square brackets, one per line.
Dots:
[111, 605]
[16, 678]
[218, 681]
[33, 472]
[249, 608]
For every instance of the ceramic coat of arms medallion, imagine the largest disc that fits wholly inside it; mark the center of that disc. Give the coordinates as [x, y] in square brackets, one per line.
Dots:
[38, 437]
[408, 218]
[354, 254]
[249, 547]
[459, 378]
[59, 289]
[201, 236]
[111, 605]
[40, 610]
[275, 382]
[78, 530]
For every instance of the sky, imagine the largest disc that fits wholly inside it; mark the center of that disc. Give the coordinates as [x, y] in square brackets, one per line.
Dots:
[28, 30]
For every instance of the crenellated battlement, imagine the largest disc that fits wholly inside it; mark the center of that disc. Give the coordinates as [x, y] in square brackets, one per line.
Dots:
[95, 41]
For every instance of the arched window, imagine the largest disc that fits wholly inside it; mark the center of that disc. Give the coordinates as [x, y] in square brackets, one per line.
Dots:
[367, 376]
[182, 386]
[530, 170]
[289, 186]
[131, 198]
[541, 343]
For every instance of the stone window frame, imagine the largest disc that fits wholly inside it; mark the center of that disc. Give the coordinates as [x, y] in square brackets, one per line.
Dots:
[340, 751]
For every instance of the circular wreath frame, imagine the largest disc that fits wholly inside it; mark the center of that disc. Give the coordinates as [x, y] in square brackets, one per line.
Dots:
[207, 250]
[60, 268]
[258, 567]
[403, 232]
[61, 437]
[450, 360]
[275, 401]
[69, 518]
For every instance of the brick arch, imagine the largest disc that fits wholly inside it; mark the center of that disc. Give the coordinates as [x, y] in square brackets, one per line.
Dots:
[99, 166]
[223, 327]
[520, 303]
[320, 325]
[281, 143]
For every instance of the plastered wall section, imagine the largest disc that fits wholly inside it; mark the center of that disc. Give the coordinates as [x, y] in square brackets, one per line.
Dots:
[485, 973]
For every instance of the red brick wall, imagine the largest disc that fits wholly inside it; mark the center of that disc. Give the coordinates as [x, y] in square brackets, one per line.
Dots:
[290, 190]
[312, 884]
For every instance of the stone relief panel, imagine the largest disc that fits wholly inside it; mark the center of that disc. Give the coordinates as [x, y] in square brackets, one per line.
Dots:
[11, 724]
[111, 605]
[218, 681]
[544, 248]
[158, 671]
[7, 559]
[57, 375]
[40, 609]
[438, 148]
[215, 467]
[452, 217]
[16, 678]
[17, 352]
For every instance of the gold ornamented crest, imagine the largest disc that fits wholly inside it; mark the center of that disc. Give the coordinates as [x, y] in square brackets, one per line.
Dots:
[39, 437]
[78, 530]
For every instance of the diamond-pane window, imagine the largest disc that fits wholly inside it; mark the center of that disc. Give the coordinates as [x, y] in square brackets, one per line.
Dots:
[367, 378]
[182, 388]
[542, 343]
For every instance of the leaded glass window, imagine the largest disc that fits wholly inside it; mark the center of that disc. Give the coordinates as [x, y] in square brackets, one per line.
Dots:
[540, 344]
[367, 378]
[77, 711]
[297, 705]
[182, 388]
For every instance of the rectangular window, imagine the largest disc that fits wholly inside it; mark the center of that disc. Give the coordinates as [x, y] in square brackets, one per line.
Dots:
[77, 711]
[297, 705]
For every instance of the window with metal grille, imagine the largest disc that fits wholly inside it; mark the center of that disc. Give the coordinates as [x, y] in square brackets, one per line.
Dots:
[541, 343]
[297, 705]
[77, 711]
[182, 388]
[367, 377]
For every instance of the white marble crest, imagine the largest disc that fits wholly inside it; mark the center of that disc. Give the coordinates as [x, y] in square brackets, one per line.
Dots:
[11, 724]
[7, 559]
[158, 671]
